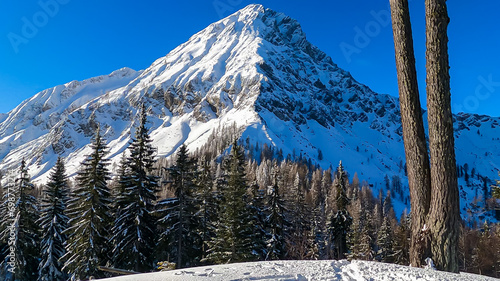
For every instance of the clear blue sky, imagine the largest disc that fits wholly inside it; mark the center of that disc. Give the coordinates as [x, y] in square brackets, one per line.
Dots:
[75, 40]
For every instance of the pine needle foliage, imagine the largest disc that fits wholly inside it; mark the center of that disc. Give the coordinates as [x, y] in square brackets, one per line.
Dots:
[53, 222]
[134, 232]
[90, 217]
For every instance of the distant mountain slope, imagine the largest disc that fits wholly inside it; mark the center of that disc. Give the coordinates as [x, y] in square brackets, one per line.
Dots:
[254, 69]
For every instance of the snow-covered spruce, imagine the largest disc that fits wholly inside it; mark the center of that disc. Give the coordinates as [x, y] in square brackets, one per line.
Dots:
[276, 222]
[25, 228]
[134, 230]
[90, 220]
[180, 219]
[234, 239]
[53, 222]
[208, 203]
[340, 222]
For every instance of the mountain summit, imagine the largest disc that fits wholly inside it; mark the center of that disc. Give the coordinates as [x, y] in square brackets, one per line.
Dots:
[253, 70]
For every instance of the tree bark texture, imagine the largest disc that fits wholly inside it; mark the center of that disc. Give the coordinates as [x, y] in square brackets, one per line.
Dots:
[413, 131]
[444, 213]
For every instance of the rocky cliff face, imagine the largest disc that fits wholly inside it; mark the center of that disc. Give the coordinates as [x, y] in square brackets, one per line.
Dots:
[254, 69]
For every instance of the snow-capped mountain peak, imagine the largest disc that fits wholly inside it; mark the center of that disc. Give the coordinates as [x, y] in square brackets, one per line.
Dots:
[255, 70]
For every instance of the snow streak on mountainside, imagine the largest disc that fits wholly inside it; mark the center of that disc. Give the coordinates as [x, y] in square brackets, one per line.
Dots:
[254, 68]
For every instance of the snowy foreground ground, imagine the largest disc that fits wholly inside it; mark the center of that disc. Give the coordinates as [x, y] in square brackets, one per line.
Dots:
[301, 270]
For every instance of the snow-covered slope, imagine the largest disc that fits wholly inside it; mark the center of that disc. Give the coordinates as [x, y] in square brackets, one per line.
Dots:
[48, 124]
[254, 69]
[303, 271]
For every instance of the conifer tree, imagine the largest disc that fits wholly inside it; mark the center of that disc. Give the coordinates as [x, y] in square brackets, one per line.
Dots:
[234, 234]
[118, 188]
[377, 216]
[54, 222]
[27, 238]
[366, 241]
[135, 226]
[180, 215]
[385, 241]
[276, 221]
[118, 203]
[319, 224]
[340, 222]
[208, 205]
[402, 241]
[340, 186]
[338, 230]
[257, 208]
[298, 238]
[90, 219]
[361, 236]
[354, 234]
[387, 204]
[484, 254]
[385, 236]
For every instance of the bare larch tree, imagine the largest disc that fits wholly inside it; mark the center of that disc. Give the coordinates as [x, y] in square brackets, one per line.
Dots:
[444, 216]
[413, 130]
[434, 195]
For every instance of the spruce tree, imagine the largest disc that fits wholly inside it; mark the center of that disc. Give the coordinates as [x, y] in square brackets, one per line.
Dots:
[276, 221]
[319, 224]
[180, 216]
[341, 186]
[483, 257]
[257, 202]
[118, 187]
[135, 226]
[298, 245]
[90, 219]
[354, 234]
[208, 204]
[118, 203]
[234, 236]
[385, 241]
[340, 222]
[27, 238]
[366, 240]
[402, 241]
[338, 230]
[54, 222]
[363, 229]
[385, 236]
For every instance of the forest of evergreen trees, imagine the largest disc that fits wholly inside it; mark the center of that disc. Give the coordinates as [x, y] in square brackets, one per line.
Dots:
[229, 201]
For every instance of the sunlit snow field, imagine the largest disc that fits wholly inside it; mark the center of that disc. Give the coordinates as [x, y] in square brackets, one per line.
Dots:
[302, 270]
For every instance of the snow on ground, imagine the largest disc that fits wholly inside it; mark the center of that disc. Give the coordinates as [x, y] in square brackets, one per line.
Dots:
[302, 270]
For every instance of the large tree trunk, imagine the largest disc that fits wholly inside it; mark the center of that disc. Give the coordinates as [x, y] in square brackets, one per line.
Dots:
[445, 206]
[413, 130]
